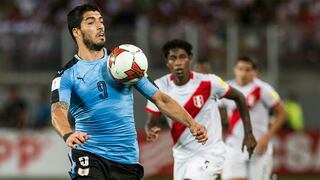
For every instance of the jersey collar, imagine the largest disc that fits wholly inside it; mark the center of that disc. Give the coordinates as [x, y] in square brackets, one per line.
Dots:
[105, 53]
[191, 74]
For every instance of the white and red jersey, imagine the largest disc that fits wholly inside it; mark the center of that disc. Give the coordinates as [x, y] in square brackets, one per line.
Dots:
[261, 97]
[199, 97]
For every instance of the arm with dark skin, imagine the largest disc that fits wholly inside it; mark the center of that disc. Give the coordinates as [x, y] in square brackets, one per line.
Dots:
[249, 140]
[224, 121]
[59, 119]
[151, 127]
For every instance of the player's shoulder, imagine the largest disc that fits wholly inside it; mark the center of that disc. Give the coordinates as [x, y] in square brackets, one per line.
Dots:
[231, 82]
[262, 84]
[206, 77]
[163, 80]
[200, 76]
[67, 67]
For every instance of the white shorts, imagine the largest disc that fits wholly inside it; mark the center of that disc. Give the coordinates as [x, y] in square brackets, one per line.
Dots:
[203, 166]
[237, 165]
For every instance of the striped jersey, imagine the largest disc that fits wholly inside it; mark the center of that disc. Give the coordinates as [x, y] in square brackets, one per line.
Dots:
[101, 107]
[198, 96]
[260, 97]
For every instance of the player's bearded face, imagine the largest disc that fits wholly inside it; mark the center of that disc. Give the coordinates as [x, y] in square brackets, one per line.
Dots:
[91, 44]
[93, 30]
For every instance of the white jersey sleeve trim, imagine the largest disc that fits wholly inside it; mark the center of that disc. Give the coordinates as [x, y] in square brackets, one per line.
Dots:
[152, 111]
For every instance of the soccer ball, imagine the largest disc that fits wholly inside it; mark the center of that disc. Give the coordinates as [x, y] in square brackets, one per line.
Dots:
[127, 64]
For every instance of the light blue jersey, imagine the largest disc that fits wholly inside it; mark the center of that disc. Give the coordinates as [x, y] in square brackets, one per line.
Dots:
[101, 107]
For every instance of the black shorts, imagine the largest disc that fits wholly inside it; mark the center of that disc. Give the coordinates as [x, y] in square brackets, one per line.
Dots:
[87, 166]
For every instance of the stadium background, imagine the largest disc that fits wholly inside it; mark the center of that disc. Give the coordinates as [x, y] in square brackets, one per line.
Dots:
[283, 36]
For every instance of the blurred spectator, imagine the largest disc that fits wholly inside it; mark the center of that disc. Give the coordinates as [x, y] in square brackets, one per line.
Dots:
[202, 66]
[294, 119]
[15, 111]
[43, 109]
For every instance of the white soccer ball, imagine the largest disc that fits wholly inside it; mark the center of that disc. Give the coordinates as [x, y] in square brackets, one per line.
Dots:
[127, 64]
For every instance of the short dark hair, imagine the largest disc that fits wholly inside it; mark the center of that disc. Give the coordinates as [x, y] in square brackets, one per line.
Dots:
[248, 60]
[176, 43]
[75, 16]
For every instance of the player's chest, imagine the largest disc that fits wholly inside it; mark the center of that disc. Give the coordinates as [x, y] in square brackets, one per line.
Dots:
[195, 94]
[90, 82]
[253, 95]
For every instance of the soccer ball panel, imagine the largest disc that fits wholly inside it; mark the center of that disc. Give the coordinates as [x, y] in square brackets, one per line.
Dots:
[127, 64]
[130, 48]
[120, 67]
[141, 59]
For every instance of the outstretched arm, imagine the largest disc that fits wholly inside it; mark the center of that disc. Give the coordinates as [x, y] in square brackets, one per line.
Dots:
[249, 140]
[59, 119]
[173, 110]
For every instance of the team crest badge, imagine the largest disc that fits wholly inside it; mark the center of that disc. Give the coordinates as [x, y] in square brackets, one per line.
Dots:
[198, 101]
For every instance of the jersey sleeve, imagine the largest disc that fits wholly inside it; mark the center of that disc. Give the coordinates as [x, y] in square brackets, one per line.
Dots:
[61, 88]
[146, 87]
[151, 107]
[219, 87]
[269, 96]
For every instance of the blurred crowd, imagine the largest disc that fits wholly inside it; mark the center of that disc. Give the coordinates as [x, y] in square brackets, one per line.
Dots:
[18, 113]
[30, 34]
[40, 24]
[247, 12]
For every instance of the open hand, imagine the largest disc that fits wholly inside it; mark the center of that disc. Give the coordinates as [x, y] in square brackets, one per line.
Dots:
[153, 134]
[77, 137]
[263, 144]
[250, 142]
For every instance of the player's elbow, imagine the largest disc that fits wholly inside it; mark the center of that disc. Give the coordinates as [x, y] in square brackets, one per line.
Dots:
[280, 112]
[240, 98]
[236, 96]
[53, 121]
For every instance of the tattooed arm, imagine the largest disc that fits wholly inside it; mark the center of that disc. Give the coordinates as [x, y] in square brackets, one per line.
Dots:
[59, 118]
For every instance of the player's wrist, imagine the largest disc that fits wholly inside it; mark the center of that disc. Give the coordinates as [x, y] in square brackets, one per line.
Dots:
[248, 129]
[268, 136]
[191, 124]
[66, 136]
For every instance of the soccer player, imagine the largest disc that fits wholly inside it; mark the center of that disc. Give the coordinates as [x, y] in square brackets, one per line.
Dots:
[261, 99]
[198, 93]
[104, 143]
